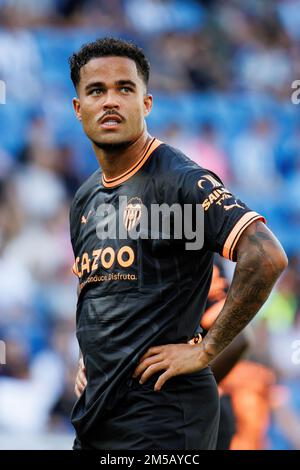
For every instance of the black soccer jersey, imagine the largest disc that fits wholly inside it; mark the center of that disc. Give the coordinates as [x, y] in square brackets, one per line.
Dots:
[137, 292]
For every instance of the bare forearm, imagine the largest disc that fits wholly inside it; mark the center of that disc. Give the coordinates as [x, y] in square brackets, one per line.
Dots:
[260, 261]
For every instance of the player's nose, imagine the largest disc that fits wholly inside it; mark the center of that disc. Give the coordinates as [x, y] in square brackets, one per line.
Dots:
[111, 100]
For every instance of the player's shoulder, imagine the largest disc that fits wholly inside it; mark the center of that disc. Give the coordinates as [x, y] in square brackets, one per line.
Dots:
[172, 158]
[173, 162]
[85, 189]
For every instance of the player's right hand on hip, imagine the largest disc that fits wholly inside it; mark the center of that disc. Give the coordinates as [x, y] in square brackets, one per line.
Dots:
[80, 381]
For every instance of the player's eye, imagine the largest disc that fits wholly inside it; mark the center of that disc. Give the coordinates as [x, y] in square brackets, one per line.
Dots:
[96, 91]
[125, 89]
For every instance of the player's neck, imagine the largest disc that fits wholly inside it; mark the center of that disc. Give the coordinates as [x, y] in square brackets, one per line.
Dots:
[116, 160]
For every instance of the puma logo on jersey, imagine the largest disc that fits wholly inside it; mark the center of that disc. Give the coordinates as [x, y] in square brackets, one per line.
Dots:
[236, 204]
[85, 219]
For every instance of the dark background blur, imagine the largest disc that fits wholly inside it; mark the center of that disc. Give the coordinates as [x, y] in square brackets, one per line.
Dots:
[222, 74]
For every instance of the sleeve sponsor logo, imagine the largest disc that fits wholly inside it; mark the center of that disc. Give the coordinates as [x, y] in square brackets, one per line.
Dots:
[231, 206]
[218, 194]
[208, 181]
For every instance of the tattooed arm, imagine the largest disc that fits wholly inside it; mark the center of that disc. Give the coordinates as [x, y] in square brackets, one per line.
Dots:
[260, 261]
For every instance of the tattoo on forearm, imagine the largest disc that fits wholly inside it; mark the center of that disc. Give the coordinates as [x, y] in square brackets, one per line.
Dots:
[256, 272]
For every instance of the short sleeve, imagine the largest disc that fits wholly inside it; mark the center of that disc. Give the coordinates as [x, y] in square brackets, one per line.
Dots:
[225, 216]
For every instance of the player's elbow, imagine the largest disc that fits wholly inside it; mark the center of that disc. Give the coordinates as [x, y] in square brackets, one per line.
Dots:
[276, 256]
[261, 252]
[273, 262]
[282, 260]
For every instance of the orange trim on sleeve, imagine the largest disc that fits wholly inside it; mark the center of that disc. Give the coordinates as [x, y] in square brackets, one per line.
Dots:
[110, 183]
[236, 232]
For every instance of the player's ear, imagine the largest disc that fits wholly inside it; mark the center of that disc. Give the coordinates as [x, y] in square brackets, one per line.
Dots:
[76, 106]
[148, 101]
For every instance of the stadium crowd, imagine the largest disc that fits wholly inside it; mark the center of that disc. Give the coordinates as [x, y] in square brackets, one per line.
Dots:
[222, 74]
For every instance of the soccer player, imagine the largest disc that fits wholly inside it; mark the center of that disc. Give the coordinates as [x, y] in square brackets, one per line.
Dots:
[142, 297]
[220, 366]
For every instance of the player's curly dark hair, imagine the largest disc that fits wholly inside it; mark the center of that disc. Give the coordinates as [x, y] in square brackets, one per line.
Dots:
[109, 47]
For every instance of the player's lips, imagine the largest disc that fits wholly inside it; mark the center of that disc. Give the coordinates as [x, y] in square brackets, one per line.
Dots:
[111, 121]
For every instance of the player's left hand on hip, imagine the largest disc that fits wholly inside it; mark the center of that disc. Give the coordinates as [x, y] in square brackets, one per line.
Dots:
[174, 359]
[80, 381]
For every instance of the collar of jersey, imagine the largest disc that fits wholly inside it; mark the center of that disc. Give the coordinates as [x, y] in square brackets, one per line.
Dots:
[110, 183]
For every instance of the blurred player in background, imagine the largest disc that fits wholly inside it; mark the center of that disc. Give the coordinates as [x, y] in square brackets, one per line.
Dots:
[141, 299]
